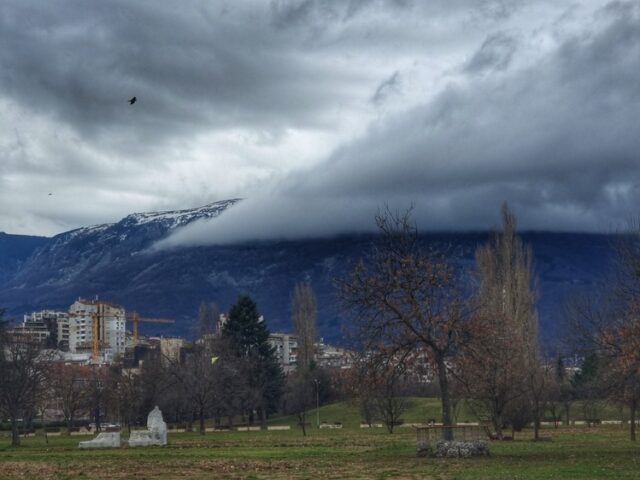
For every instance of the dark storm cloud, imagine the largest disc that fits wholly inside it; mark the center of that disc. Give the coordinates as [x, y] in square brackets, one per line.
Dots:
[556, 136]
[386, 88]
[318, 112]
[67, 69]
[192, 68]
[287, 13]
[494, 54]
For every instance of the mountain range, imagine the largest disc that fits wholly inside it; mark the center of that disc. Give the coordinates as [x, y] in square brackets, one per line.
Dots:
[114, 262]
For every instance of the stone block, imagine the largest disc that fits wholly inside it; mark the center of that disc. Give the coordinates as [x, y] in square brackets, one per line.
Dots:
[141, 438]
[103, 440]
[156, 433]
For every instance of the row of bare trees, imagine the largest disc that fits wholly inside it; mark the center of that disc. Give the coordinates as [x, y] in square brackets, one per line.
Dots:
[415, 321]
[608, 325]
[412, 312]
[234, 374]
[22, 379]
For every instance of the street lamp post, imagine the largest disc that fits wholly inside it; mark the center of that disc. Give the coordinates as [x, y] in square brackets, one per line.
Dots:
[315, 380]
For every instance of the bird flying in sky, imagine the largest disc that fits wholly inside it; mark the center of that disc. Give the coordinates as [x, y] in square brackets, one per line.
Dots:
[132, 100]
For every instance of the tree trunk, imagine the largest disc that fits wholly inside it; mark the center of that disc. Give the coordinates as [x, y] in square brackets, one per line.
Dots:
[15, 434]
[446, 399]
[302, 419]
[536, 427]
[97, 419]
[201, 418]
[567, 408]
[632, 410]
[497, 424]
[44, 428]
[390, 427]
[263, 417]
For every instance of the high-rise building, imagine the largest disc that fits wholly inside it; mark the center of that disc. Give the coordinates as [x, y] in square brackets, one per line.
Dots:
[109, 321]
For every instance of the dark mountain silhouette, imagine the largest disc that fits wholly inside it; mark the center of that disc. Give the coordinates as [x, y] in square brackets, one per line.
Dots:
[113, 261]
[14, 251]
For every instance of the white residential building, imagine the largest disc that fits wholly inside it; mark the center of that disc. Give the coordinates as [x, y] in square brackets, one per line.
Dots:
[110, 324]
[286, 349]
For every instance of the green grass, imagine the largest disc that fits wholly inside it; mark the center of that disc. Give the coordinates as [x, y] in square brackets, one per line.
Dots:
[571, 453]
[422, 409]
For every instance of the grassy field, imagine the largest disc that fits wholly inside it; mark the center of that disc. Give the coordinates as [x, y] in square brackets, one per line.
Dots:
[422, 409]
[568, 453]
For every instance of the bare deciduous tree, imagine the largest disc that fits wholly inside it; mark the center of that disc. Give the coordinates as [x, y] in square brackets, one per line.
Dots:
[303, 316]
[23, 370]
[404, 301]
[197, 379]
[388, 381]
[299, 397]
[69, 386]
[610, 329]
[128, 395]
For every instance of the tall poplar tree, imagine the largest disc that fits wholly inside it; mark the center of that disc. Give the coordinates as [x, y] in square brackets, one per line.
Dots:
[502, 366]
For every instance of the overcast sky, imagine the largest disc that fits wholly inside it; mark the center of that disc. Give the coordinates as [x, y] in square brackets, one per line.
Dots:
[319, 112]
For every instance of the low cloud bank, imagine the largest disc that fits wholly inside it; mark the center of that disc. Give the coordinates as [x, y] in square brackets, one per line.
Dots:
[552, 130]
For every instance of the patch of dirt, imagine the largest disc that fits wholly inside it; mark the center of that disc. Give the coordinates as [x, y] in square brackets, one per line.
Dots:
[28, 470]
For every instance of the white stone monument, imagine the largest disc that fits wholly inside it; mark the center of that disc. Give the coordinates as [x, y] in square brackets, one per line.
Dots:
[103, 440]
[156, 433]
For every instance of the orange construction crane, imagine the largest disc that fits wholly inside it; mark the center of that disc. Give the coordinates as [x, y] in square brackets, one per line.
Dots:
[97, 318]
[136, 318]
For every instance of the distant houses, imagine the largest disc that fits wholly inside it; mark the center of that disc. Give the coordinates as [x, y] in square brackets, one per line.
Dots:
[93, 325]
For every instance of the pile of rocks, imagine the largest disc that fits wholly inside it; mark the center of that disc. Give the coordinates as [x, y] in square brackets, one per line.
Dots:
[454, 449]
[462, 449]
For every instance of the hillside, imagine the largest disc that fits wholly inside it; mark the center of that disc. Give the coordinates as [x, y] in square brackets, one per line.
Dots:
[113, 261]
[14, 251]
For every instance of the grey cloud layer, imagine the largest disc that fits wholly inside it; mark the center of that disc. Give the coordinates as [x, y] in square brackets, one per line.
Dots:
[190, 63]
[318, 112]
[557, 138]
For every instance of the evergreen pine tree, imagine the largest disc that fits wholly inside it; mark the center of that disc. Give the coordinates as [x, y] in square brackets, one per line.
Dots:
[247, 336]
[245, 331]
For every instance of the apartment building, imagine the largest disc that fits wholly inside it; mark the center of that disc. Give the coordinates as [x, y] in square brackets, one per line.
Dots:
[49, 327]
[110, 324]
[286, 349]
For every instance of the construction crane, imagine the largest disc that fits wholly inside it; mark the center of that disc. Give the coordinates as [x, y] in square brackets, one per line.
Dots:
[135, 318]
[97, 319]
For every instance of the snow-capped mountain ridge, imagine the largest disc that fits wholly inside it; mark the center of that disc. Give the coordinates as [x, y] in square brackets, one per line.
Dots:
[165, 220]
[86, 252]
[176, 218]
